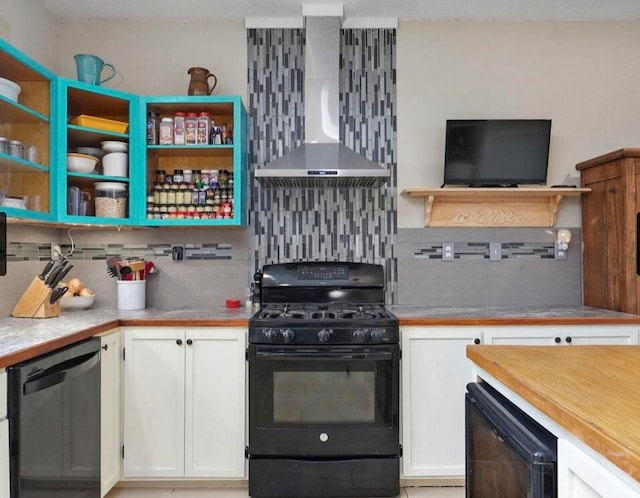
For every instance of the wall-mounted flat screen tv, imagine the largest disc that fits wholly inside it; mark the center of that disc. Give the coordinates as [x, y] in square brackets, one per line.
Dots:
[496, 152]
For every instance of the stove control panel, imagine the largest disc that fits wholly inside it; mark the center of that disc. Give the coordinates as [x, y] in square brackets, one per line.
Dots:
[323, 335]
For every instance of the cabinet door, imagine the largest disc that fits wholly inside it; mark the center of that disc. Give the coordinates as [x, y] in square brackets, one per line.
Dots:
[215, 403]
[435, 372]
[580, 476]
[4, 458]
[522, 336]
[110, 411]
[600, 335]
[154, 383]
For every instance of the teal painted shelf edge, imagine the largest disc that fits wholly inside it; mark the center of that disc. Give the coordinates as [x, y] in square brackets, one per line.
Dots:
[136, 136]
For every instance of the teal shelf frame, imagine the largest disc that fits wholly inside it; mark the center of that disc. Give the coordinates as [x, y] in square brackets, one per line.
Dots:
[62, 134]
[238, 153]
[27, 69]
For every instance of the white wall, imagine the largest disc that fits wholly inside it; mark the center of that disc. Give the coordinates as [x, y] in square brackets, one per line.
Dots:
[585, 76]
[152, 58]
[31, 29]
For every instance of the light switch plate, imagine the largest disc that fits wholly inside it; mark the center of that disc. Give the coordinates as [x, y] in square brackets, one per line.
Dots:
[495, 251]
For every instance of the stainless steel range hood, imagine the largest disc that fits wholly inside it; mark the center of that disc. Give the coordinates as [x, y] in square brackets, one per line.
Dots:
[322, 161]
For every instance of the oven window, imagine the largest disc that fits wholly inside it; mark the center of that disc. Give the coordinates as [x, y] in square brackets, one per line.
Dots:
[334, 397]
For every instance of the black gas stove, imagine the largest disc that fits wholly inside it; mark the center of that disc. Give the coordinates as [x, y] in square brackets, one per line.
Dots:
[322, 303]
[324, 369]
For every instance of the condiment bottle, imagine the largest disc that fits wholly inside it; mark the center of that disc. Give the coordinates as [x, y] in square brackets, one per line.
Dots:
[191, 128]
[203, 128]
[166, 131]
[179, 129]
[153, 122]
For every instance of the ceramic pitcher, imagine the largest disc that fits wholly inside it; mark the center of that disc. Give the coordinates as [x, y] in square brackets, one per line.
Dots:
[199, 84]
[90, 69]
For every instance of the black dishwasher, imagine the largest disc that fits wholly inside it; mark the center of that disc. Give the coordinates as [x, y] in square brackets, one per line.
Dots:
[509, 455]
[54, 423]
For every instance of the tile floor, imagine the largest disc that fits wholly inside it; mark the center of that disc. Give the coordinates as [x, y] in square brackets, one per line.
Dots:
[408, 492]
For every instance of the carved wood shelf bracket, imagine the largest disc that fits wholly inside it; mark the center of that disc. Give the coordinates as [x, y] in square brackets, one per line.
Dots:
[492, 207]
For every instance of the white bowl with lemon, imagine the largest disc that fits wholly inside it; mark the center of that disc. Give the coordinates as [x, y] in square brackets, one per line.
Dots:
[78, 296]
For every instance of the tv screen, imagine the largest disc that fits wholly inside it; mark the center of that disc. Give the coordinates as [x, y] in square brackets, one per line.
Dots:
[496, 152]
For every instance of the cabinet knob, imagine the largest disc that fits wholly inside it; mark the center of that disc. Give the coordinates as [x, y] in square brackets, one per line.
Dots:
[179, 342]
[558, 340]
[105, 347]
[476, 341]
[189, 342]
[568, 339]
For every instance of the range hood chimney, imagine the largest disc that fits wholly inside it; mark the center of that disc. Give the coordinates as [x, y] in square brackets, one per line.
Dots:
[322, 161]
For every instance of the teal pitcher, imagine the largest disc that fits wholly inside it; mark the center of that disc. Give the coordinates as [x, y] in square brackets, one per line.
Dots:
[90, 69]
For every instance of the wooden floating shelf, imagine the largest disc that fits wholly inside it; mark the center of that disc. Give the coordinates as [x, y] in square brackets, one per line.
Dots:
[492, 207]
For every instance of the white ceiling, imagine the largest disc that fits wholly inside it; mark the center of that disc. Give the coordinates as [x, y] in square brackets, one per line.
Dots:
[401, 9]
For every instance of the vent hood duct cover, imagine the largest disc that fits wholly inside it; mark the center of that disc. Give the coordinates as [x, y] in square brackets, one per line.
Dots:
[322, 161]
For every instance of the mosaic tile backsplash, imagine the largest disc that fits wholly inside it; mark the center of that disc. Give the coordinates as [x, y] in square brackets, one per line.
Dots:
[323, 224]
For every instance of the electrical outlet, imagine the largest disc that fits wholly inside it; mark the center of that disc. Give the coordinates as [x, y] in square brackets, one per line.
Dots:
[177, 253]
[447, 251]
[495, 251]
[559, 252]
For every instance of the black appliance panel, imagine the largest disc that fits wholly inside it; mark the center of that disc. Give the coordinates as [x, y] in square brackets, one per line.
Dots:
[302, 478]
[507, 453]
[54, 424]
[310, 402]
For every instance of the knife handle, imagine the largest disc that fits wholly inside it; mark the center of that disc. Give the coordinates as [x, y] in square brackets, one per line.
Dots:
[46, 270]
[56, 280]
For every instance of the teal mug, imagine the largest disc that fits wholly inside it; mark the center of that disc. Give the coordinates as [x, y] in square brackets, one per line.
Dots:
[90, 69]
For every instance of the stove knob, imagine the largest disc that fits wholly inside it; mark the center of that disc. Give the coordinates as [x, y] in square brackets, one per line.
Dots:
[271, 335]
[360, 335]
[377, 335]
[323, 335]
[288, 335]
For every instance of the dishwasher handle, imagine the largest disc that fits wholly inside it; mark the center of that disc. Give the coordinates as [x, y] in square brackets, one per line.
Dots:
[62, 371]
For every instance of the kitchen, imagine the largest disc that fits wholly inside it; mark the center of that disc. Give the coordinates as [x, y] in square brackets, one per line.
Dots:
[523, 69]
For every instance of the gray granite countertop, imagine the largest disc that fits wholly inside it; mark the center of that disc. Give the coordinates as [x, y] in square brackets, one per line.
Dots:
[576, 312]
[21, 338]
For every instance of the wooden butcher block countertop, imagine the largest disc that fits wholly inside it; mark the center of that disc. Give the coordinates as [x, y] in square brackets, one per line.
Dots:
[591, 391]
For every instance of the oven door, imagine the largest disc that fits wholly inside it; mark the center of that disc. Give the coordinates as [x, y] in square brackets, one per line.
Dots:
[324, 401]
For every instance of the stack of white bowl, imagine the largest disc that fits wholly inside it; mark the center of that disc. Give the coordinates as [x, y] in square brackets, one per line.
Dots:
[115, 162]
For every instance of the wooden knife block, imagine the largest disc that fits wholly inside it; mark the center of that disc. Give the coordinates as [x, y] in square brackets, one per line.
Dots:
[34, 303]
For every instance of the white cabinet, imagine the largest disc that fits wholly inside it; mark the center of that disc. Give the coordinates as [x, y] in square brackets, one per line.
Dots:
[4, 438]
[520, 336]
[184, 402]
[110, 410]
[600, 335]
[561, 334]
[581, 476]
[435, 372]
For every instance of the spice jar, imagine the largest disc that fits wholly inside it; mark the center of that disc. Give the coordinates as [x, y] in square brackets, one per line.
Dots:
[153, 123]
[178, 176]
[202, 136]
[197, 179]
[16, 148]
[179, 128]
[187, 175]
[191, 128]
[166, 131]
[160, 175]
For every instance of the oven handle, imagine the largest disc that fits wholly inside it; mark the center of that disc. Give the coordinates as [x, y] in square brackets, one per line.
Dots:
[324, 355]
